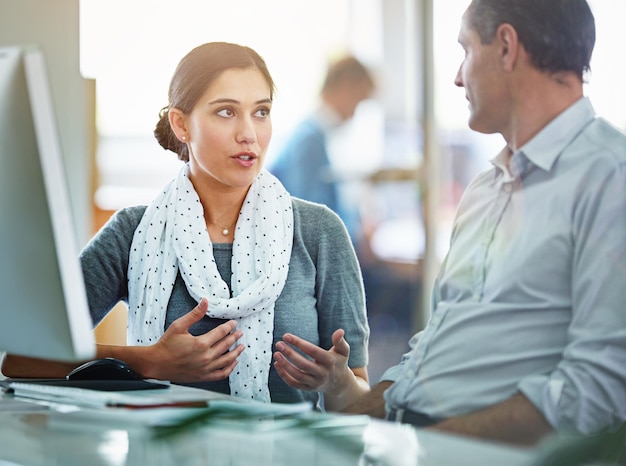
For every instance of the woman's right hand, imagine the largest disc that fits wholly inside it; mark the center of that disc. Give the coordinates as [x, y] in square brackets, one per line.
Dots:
[179, 356]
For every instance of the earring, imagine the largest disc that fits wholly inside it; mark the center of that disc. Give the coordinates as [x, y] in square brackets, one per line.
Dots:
[184, 138]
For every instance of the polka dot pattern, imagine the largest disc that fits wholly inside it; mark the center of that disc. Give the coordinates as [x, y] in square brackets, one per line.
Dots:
[172, 236]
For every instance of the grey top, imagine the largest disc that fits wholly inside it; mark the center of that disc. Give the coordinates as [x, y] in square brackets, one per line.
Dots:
[323, 292]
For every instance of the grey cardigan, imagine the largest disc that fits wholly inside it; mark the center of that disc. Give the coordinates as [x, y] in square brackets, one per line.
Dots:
[323, 292]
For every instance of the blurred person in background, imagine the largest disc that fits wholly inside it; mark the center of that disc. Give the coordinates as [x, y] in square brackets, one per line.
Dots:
[303, 164]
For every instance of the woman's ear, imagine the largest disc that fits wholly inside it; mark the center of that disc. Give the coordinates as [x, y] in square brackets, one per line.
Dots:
[506, 37]
[178, 122]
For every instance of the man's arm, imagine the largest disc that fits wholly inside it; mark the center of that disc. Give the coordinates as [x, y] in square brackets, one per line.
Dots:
[372, 403]
[515, 421]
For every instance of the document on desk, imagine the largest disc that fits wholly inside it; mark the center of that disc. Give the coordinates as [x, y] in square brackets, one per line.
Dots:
[164, 407]
[12, 405]
[174, 397]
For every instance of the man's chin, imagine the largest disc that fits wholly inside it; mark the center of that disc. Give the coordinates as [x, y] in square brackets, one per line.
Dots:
[475, 125]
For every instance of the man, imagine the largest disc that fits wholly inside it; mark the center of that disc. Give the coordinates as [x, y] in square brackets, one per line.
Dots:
[527, 333]
[303, 165]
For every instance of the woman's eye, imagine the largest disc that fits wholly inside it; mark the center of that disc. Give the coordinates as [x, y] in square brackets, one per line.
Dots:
[263, 112]
[226, 112]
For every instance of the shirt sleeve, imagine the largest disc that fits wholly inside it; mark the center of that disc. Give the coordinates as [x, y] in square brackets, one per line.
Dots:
[394, 372]
[586, 392]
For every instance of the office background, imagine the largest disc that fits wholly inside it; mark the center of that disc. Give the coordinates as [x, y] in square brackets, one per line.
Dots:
[110, 62]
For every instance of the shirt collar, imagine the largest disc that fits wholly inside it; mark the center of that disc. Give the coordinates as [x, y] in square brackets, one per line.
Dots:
[501, 162]
[543, 149]
[547, 145]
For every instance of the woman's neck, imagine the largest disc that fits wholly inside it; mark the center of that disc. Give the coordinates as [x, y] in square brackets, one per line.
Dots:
[221, 205]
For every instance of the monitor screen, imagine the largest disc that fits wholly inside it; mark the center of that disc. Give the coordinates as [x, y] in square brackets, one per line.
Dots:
[43, 304]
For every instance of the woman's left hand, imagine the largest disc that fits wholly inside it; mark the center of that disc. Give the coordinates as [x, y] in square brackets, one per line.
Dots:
[324, 371]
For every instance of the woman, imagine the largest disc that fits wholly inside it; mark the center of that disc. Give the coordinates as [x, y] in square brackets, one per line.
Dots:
[226, 240]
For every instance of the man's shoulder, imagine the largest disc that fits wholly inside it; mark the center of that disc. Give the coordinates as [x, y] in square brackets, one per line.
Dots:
[608, 137]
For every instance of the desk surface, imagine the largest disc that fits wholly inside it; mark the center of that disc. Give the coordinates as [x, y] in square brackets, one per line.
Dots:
[33, 434]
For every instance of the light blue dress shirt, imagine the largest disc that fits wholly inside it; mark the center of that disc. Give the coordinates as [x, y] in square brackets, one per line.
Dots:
[532, 294]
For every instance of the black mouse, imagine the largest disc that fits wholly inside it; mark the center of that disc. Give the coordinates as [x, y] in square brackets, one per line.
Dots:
[104, 369]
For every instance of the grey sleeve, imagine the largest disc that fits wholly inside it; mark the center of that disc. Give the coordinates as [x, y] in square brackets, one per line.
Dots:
[104, 262]
[339, 288]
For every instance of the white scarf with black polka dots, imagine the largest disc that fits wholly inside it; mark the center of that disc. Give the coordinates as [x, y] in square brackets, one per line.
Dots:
[172, 236]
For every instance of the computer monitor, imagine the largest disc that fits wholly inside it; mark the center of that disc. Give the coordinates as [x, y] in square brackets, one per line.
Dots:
[43, 304]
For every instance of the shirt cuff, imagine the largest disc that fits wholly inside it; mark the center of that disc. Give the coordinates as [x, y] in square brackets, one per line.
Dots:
[393, 373]
[545, 393]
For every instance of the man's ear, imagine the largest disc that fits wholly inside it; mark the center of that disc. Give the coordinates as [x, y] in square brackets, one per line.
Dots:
[506, 37]
[178, 122]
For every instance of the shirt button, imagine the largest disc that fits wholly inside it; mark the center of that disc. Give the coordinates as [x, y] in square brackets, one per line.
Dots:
[507, 187]
[476, 297]
[410, 374]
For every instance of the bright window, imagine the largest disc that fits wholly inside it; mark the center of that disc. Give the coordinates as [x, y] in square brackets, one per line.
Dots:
[132, 47]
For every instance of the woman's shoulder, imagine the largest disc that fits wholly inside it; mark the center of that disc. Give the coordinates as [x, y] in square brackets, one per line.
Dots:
[132, 214]
[125, 219]
[115, 236]
[316, 220]
[312, 210]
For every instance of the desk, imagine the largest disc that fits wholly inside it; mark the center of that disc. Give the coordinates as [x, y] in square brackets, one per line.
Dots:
[34, 435]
